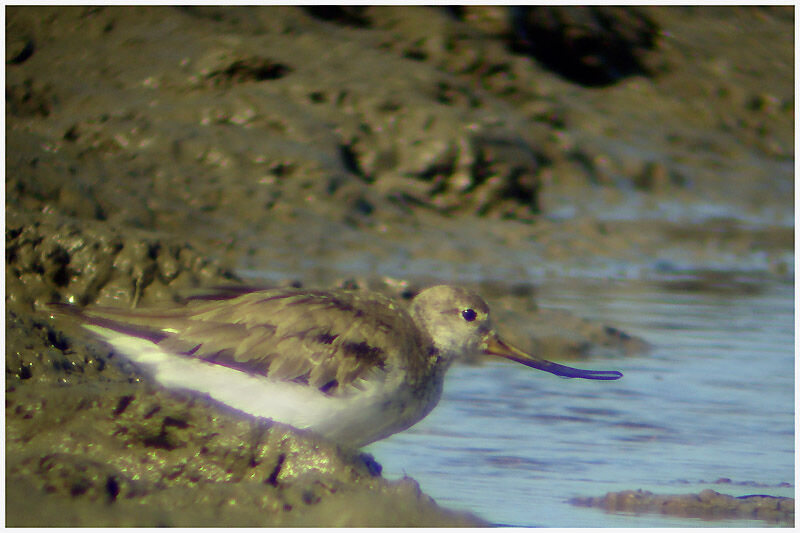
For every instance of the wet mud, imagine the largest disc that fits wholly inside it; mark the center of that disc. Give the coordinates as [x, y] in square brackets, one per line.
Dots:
[708, 505]
[154, 151]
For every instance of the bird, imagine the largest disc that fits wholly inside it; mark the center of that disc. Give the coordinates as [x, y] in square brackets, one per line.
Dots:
[351, 366]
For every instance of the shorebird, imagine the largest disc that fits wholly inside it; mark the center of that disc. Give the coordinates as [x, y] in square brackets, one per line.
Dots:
[352, 366]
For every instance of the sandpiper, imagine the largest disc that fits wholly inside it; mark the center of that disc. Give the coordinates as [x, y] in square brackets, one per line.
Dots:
[352, 366]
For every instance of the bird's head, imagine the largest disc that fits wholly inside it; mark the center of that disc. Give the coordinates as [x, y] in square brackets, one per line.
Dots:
[458, 321]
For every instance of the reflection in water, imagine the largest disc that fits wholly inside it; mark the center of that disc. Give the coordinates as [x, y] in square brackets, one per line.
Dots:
[714, 399]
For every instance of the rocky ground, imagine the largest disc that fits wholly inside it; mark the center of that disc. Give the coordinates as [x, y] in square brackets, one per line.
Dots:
[151, 151]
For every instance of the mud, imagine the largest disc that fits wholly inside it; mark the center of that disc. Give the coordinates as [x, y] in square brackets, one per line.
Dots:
[708, 504]
[152, 151]
[105, 453]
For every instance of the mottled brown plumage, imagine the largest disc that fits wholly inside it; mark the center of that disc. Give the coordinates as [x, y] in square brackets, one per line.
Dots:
[327, 339]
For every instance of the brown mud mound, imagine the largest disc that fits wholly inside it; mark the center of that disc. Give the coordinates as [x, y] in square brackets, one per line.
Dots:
[131, 455]
[708, 505]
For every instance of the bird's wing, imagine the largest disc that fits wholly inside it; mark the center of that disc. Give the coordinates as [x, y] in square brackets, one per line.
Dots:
[333, 340]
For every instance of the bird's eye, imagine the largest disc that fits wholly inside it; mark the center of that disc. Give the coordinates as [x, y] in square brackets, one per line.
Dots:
[469, 314]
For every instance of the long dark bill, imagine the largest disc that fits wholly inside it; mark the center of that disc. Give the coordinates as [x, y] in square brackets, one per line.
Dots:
[495, 346]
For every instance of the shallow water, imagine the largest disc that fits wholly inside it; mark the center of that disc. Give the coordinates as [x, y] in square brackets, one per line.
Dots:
[714, 398]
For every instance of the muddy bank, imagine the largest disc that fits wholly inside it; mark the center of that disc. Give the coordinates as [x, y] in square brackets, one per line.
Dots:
[708, 505]
[93, 442]
[226, 124]
[152, 151]
[106, 453]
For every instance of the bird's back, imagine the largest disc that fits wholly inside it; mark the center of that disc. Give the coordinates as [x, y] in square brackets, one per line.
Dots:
[330, 340]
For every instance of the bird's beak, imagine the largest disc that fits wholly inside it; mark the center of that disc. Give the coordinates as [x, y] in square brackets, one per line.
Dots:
[495, 346]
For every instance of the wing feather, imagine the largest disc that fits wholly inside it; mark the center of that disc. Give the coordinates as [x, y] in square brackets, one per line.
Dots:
[332, 339]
